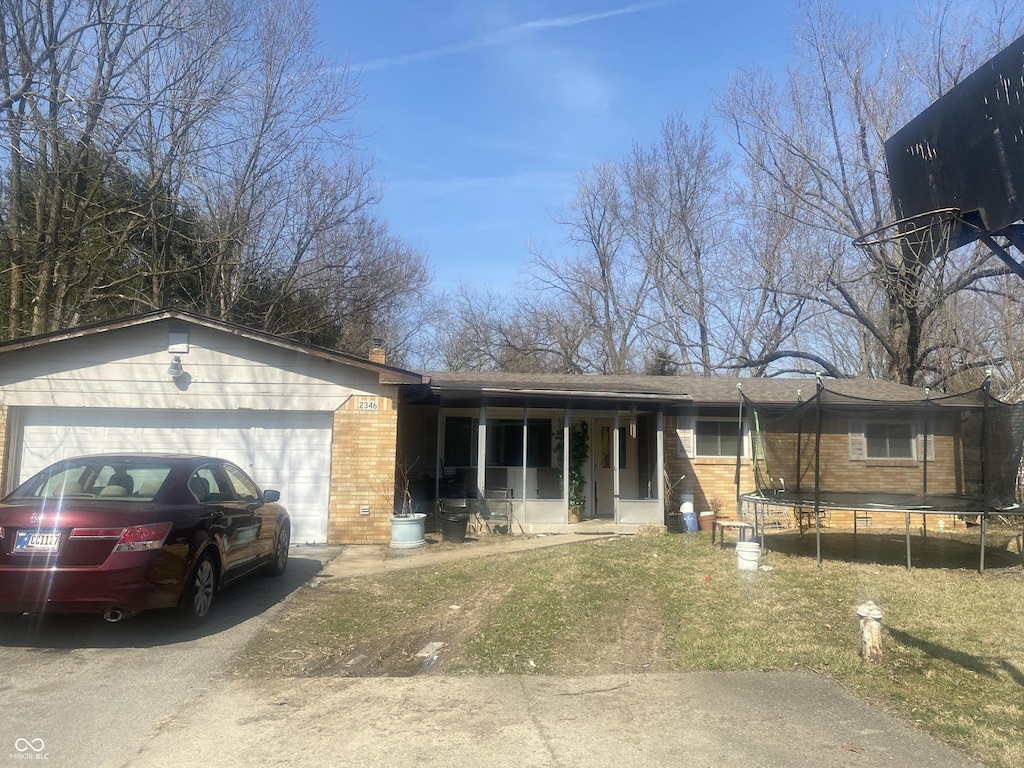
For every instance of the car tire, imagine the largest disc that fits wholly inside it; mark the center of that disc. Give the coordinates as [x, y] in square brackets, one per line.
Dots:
[200, 591]
[282, 540]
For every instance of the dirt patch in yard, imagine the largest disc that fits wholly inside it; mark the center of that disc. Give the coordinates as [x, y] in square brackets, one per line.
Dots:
[434, 642]
[365, 626]
[426, 642]
[429, 643]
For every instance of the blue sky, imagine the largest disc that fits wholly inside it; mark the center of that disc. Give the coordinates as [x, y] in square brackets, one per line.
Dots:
[481, 114]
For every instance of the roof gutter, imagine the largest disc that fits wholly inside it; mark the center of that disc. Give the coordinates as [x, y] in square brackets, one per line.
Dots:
[502, 391]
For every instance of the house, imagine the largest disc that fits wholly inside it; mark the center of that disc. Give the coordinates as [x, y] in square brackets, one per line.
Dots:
[333, 432]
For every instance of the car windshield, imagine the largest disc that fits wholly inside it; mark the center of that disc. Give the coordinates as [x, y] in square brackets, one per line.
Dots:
[116, 479]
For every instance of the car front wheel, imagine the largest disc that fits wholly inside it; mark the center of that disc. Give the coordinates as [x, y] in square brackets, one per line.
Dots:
[200, 590]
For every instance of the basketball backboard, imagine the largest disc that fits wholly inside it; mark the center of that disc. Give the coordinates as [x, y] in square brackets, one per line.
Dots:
[966, 152]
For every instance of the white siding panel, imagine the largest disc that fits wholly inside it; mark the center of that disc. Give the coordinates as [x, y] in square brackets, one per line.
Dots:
[128, 369]
[287, 451]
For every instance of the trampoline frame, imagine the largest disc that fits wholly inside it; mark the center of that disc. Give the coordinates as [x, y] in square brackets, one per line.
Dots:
[967, 506]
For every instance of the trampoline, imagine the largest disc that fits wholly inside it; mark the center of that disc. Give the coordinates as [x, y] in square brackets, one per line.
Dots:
[900, 453]
[803, 505]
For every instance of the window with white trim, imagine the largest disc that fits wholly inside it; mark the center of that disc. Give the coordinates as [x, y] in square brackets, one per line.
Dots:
[717, 437]
[890, 440]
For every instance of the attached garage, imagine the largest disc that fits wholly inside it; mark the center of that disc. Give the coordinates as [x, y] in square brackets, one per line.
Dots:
[289, 451]
[317, 425]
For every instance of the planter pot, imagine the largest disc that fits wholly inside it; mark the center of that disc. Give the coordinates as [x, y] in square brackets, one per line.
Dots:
[706, 521]
[454, 525]
[407, 532]
[575, 515]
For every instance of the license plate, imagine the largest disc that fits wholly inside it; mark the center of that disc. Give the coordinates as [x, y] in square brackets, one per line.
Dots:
[34, 542]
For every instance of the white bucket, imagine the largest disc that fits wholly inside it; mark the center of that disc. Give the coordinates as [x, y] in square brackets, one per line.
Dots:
[747, 555]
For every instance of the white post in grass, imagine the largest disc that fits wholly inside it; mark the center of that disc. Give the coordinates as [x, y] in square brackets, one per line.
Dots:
[870, 632]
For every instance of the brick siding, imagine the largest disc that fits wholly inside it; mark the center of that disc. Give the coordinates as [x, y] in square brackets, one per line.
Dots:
[362, 472]
[709, 479]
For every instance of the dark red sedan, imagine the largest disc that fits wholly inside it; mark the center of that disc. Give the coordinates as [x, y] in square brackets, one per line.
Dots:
[119, 534]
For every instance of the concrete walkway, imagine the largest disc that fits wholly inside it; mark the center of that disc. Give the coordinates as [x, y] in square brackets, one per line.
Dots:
[741, 720]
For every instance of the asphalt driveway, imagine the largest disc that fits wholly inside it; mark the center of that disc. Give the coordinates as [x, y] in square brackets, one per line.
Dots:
[90, 693]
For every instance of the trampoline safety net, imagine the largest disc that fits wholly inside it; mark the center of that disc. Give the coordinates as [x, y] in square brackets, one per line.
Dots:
[968, 445]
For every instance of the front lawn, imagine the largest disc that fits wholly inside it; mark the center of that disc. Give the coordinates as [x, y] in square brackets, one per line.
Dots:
[953, 653]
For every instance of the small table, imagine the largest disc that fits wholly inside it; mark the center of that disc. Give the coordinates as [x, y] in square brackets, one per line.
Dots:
[721, 526]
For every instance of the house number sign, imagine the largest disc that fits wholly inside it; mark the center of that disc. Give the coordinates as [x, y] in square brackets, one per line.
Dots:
[366, 405]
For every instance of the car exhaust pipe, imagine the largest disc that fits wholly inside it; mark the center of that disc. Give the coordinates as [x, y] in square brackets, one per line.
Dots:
[114, 615]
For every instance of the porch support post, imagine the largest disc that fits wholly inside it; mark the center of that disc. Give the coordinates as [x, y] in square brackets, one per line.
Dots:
[526, 438]
[565, 465]
[615, 468]
[661, 464]
[438, 459]
[481, 456]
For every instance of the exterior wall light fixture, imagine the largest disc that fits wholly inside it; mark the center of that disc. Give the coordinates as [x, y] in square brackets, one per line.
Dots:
[175, 371]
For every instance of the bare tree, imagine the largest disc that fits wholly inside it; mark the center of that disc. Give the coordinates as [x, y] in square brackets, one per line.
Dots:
[282, 118]
[480, 329]
[194, 153]
[605, 280]
[819, 143]
[678, 223]
[68, 104]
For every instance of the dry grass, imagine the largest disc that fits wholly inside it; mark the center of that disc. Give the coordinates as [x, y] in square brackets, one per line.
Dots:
[953, 659]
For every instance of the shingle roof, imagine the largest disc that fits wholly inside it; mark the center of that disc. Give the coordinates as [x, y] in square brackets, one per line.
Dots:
[703, 390]
[388, 374]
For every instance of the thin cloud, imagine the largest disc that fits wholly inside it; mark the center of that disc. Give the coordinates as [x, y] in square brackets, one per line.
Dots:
[446, 187]
[508, 34]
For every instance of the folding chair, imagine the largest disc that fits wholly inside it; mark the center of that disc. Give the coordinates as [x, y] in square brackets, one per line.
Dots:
[496, 509]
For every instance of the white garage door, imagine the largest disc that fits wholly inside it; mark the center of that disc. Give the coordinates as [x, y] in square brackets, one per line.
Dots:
[289, 450]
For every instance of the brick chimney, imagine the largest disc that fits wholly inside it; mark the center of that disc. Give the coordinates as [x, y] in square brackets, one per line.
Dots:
[377, 353]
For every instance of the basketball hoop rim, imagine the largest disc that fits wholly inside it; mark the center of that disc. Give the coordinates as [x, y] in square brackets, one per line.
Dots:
[871, 237]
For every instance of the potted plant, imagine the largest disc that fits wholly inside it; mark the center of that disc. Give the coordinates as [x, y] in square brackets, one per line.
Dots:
[408, 527]
[579, 452]
[707, 518]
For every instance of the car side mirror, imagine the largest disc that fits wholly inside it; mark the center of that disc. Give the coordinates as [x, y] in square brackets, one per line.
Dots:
[271, 496]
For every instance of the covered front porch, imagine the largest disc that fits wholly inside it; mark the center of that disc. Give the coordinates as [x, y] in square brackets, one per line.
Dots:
[535, 462]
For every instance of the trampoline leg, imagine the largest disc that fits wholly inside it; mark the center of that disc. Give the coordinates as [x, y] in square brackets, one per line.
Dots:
[908, 541]
[984, 529]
